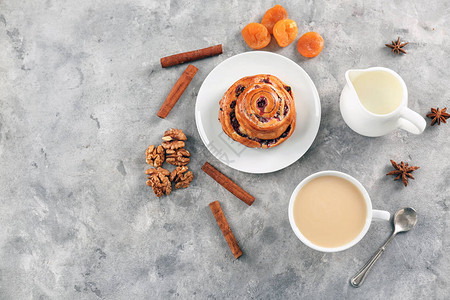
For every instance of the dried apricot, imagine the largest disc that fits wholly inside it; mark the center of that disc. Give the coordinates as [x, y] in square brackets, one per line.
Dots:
[272, 16]
[256, 35]
[285, 32]
[310, 44]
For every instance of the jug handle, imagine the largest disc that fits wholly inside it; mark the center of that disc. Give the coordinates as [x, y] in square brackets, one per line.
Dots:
[411, 121]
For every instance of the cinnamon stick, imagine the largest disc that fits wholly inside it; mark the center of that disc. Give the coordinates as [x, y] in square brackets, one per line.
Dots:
[181, 58]
[226, 230]
[177, 90]
[228, 183]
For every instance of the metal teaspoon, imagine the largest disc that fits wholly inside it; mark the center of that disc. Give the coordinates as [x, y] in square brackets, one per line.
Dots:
[404, 220]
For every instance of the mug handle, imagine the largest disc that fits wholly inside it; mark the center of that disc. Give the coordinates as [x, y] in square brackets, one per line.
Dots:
[411, 121]
[381, 215]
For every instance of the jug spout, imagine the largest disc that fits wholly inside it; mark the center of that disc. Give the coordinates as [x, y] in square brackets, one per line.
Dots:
[351, 75]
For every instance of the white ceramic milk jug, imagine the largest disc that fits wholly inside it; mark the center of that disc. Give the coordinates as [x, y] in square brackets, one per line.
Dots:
[374, 103]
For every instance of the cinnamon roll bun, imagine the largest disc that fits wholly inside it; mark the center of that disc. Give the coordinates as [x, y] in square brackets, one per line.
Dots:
[258, 111]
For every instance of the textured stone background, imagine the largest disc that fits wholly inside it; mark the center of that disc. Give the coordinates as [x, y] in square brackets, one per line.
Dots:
[80, 84]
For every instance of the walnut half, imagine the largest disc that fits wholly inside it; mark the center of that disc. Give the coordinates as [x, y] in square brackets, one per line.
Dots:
[155, 156]
[159, 181]
[182, 177]
[179, 157]
[174, 139]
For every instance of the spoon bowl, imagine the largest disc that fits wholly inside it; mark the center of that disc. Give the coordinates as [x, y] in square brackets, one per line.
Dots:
[405, 219]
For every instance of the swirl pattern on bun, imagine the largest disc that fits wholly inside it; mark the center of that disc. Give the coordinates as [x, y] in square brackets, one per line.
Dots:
[258, 111]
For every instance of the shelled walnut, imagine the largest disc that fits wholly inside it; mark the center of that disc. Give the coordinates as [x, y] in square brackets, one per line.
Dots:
[182, 177]
[155, 156]
[173, 152]
[174, 139]
[158, 179]
[179, 157]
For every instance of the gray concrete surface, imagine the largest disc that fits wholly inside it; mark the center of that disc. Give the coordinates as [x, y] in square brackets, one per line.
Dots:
[80, 85]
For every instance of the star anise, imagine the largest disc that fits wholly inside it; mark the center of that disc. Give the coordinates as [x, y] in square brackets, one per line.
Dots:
[402, 171]
[438, 115]
[397, 47]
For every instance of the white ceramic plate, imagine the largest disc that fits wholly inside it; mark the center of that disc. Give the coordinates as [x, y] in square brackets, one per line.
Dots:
[236, 155]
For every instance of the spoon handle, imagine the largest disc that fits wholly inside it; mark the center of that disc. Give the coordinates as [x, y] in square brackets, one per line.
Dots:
[358, 279]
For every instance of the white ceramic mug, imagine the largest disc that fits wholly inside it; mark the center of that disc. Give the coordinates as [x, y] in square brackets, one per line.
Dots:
[366, 123]
[370, 213]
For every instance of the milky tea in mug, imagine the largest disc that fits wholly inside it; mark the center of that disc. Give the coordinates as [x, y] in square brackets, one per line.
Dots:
[330, 211]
